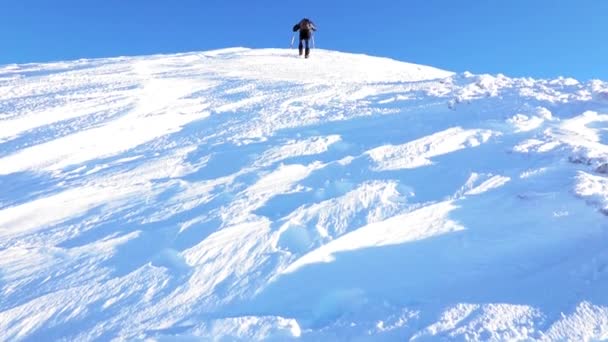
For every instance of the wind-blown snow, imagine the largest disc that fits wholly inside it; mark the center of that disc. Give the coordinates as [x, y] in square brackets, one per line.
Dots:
[244, 194]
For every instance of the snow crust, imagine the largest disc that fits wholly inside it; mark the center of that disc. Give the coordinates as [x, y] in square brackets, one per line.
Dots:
[249, 195]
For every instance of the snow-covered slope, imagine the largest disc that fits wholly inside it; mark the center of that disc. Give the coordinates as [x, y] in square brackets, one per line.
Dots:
[251, 195]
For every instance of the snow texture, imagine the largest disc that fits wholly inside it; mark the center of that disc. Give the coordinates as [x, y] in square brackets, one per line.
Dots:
[249, 195]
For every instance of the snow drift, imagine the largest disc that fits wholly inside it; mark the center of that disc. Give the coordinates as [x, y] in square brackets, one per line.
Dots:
[252, 195]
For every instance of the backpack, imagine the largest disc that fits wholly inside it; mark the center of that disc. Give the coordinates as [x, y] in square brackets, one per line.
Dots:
[306, 24]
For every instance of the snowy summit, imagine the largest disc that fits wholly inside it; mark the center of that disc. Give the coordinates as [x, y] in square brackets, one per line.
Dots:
[252, 195]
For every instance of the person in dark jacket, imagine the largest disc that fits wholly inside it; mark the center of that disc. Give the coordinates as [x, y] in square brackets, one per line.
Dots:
[306, 27]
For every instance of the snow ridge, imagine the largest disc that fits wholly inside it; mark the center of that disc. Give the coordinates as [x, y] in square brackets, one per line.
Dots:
[246, 194]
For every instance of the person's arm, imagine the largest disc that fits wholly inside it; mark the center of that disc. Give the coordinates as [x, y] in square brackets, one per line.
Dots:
[296, 27]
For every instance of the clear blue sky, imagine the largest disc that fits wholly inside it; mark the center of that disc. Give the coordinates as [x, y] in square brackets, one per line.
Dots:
[537, 38]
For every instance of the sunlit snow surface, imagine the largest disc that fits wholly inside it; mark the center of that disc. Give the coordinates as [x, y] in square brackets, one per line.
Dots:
[252, 195]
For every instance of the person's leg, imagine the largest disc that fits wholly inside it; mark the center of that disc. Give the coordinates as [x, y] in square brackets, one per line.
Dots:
[300, 47]
[307, 49]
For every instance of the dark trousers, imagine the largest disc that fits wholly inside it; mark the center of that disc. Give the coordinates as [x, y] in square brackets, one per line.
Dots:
[301, 47]
[304, 39]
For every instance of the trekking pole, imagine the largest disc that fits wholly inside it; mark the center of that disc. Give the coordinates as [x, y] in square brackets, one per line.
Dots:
[292, 39]
[313, 40]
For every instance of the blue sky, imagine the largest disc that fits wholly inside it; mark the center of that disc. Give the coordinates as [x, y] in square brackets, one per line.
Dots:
[537, 38]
